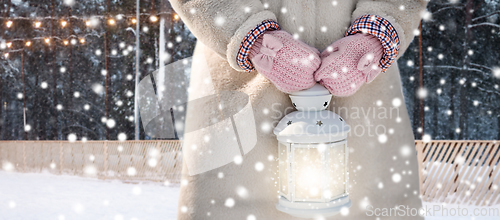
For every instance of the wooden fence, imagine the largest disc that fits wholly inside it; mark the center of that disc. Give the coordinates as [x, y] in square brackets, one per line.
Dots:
[128, 160]
[459, 172]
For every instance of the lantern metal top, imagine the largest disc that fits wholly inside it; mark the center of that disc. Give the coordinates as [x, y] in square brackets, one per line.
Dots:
[311, 127]
[312, 123]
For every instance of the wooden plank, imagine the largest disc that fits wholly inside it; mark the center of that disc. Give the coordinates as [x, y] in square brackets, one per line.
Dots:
[455, 173]
[450, 147]
[483, 175]
[487, 187]
[466, 193]
[464, 186]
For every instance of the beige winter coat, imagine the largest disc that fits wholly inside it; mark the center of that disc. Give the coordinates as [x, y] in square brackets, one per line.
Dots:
[382, 159]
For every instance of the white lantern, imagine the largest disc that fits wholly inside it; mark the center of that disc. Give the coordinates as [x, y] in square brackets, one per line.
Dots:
[313, 157]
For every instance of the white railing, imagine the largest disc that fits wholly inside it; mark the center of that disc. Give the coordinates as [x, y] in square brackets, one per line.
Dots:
[128, 160]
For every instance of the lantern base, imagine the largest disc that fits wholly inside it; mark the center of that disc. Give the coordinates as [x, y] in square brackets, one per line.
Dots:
[313, 209]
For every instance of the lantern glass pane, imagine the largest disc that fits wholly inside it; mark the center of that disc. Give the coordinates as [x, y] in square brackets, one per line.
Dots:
[308, 172]
[283, 167]
[336, 161]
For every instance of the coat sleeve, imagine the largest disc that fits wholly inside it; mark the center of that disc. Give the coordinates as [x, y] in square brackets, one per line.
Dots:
[222, 24]
[403, 15]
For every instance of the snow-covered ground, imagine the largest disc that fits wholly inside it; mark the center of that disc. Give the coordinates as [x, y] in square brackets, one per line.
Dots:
[46, 196]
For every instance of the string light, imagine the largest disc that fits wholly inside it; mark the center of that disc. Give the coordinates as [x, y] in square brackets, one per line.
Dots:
[153, 18]
[6, 55]
[64, 22]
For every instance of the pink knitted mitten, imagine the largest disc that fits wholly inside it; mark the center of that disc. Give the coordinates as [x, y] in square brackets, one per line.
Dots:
[348, 63]
[288, 63]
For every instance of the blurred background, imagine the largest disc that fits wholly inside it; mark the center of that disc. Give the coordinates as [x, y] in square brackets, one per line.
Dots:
[68, 69]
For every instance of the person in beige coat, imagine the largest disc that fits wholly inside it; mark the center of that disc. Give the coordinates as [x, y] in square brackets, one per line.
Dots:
[229, 163]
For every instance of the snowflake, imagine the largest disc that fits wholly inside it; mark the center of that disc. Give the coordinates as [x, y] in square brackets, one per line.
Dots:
[426, 15]
[242, 192]
[344, 211]
[380, 185]
[238, 159]
[422, 93]
[396, 177]
[416, 32]
[122, 137]
[426, 138]
[439, 91]
[496, 73]
[184, 209]
[136, 190]
[72, 137]
[229, 202]
[131, 171]
[266, 127]
[219, 21]
[110, 123]
[259, 166]
[69, 2]
[405, 151]
[382, 138]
